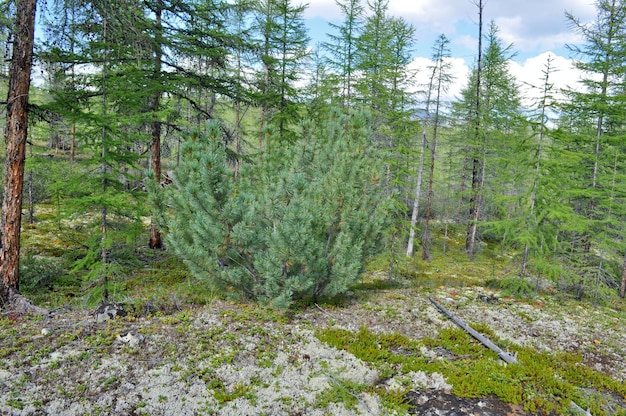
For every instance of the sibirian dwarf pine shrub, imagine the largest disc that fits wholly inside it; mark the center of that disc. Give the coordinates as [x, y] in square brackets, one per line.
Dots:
[296, 224]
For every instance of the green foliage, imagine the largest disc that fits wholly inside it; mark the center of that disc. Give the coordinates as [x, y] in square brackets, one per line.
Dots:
[37, 273]
[298, 224]
[517, 287]
[100, 279]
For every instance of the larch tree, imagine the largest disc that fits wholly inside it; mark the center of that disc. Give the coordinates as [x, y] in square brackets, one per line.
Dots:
[292, 47]
[242, 52]
[15, 141]
[599, 110]
[438, 85]
[283, 44]
[373, 60]
[342, 45]
[383, 87]
[154, 106]
[528, 237]
[109, 106]
[477, 147]
[323, 91]
[420, 168]
[494, 128]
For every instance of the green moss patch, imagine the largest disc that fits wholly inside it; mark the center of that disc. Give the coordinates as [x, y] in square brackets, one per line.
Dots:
[541, 382]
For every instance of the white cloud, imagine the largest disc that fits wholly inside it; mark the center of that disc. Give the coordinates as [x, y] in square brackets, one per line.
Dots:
[531, 74]
[533, 26]
[536, 28]
[458, 70]
[326, 9]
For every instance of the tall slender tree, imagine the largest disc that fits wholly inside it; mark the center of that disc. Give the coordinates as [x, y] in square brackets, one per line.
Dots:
[496, 132]
[532, 220]
[342, 46]
[477, 148]
[15, 141]
[284, 46]
[374, 56]
[599, 110]
[155, 103]
[438, 85]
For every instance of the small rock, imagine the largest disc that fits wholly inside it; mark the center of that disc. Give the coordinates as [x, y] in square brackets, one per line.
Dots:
[132, 338]
[108, 311]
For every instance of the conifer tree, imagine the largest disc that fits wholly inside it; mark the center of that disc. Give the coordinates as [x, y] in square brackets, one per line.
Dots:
[15, 139]
[323, 90]
[283, 44]
[154, 106]
[5, 38]
[477, 146]
[342, 46]
[494, 128]
[106, 116]
[600, 115]
[439, 83]
[528, 238]
[384, 49]
[531, 200]
[296, 225]
[242, 57]
[420, 169]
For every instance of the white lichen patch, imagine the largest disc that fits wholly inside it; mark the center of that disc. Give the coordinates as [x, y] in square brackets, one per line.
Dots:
[224, 359]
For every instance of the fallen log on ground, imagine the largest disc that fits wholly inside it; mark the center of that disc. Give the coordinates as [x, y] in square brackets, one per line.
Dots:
[505, 356]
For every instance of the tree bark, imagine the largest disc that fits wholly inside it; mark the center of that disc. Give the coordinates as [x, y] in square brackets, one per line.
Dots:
[156, 241]
[505, 356]
[155, 236]
[15, 140]
[478, 163]
[416, 201]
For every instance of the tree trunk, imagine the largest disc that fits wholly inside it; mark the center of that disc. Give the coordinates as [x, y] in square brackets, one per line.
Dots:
[478, 163]
[622, 288]
[416, 201]
[15, 140]
[155, 236]
[438, 75]
[73, 143]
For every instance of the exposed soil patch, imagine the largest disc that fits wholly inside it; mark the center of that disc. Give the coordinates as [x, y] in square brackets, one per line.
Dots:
[441, 403]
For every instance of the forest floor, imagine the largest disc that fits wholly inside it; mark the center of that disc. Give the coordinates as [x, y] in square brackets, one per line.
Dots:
[227, 358]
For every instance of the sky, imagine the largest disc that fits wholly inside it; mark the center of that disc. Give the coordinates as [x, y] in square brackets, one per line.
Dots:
[535, 28]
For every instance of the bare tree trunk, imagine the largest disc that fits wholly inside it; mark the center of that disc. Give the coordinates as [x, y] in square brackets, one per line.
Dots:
[156, 241]
[622, 288]
[73, 143]
[478, 163]
[104, 254]
[416, 201]
[438, 76]
[15, 140]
